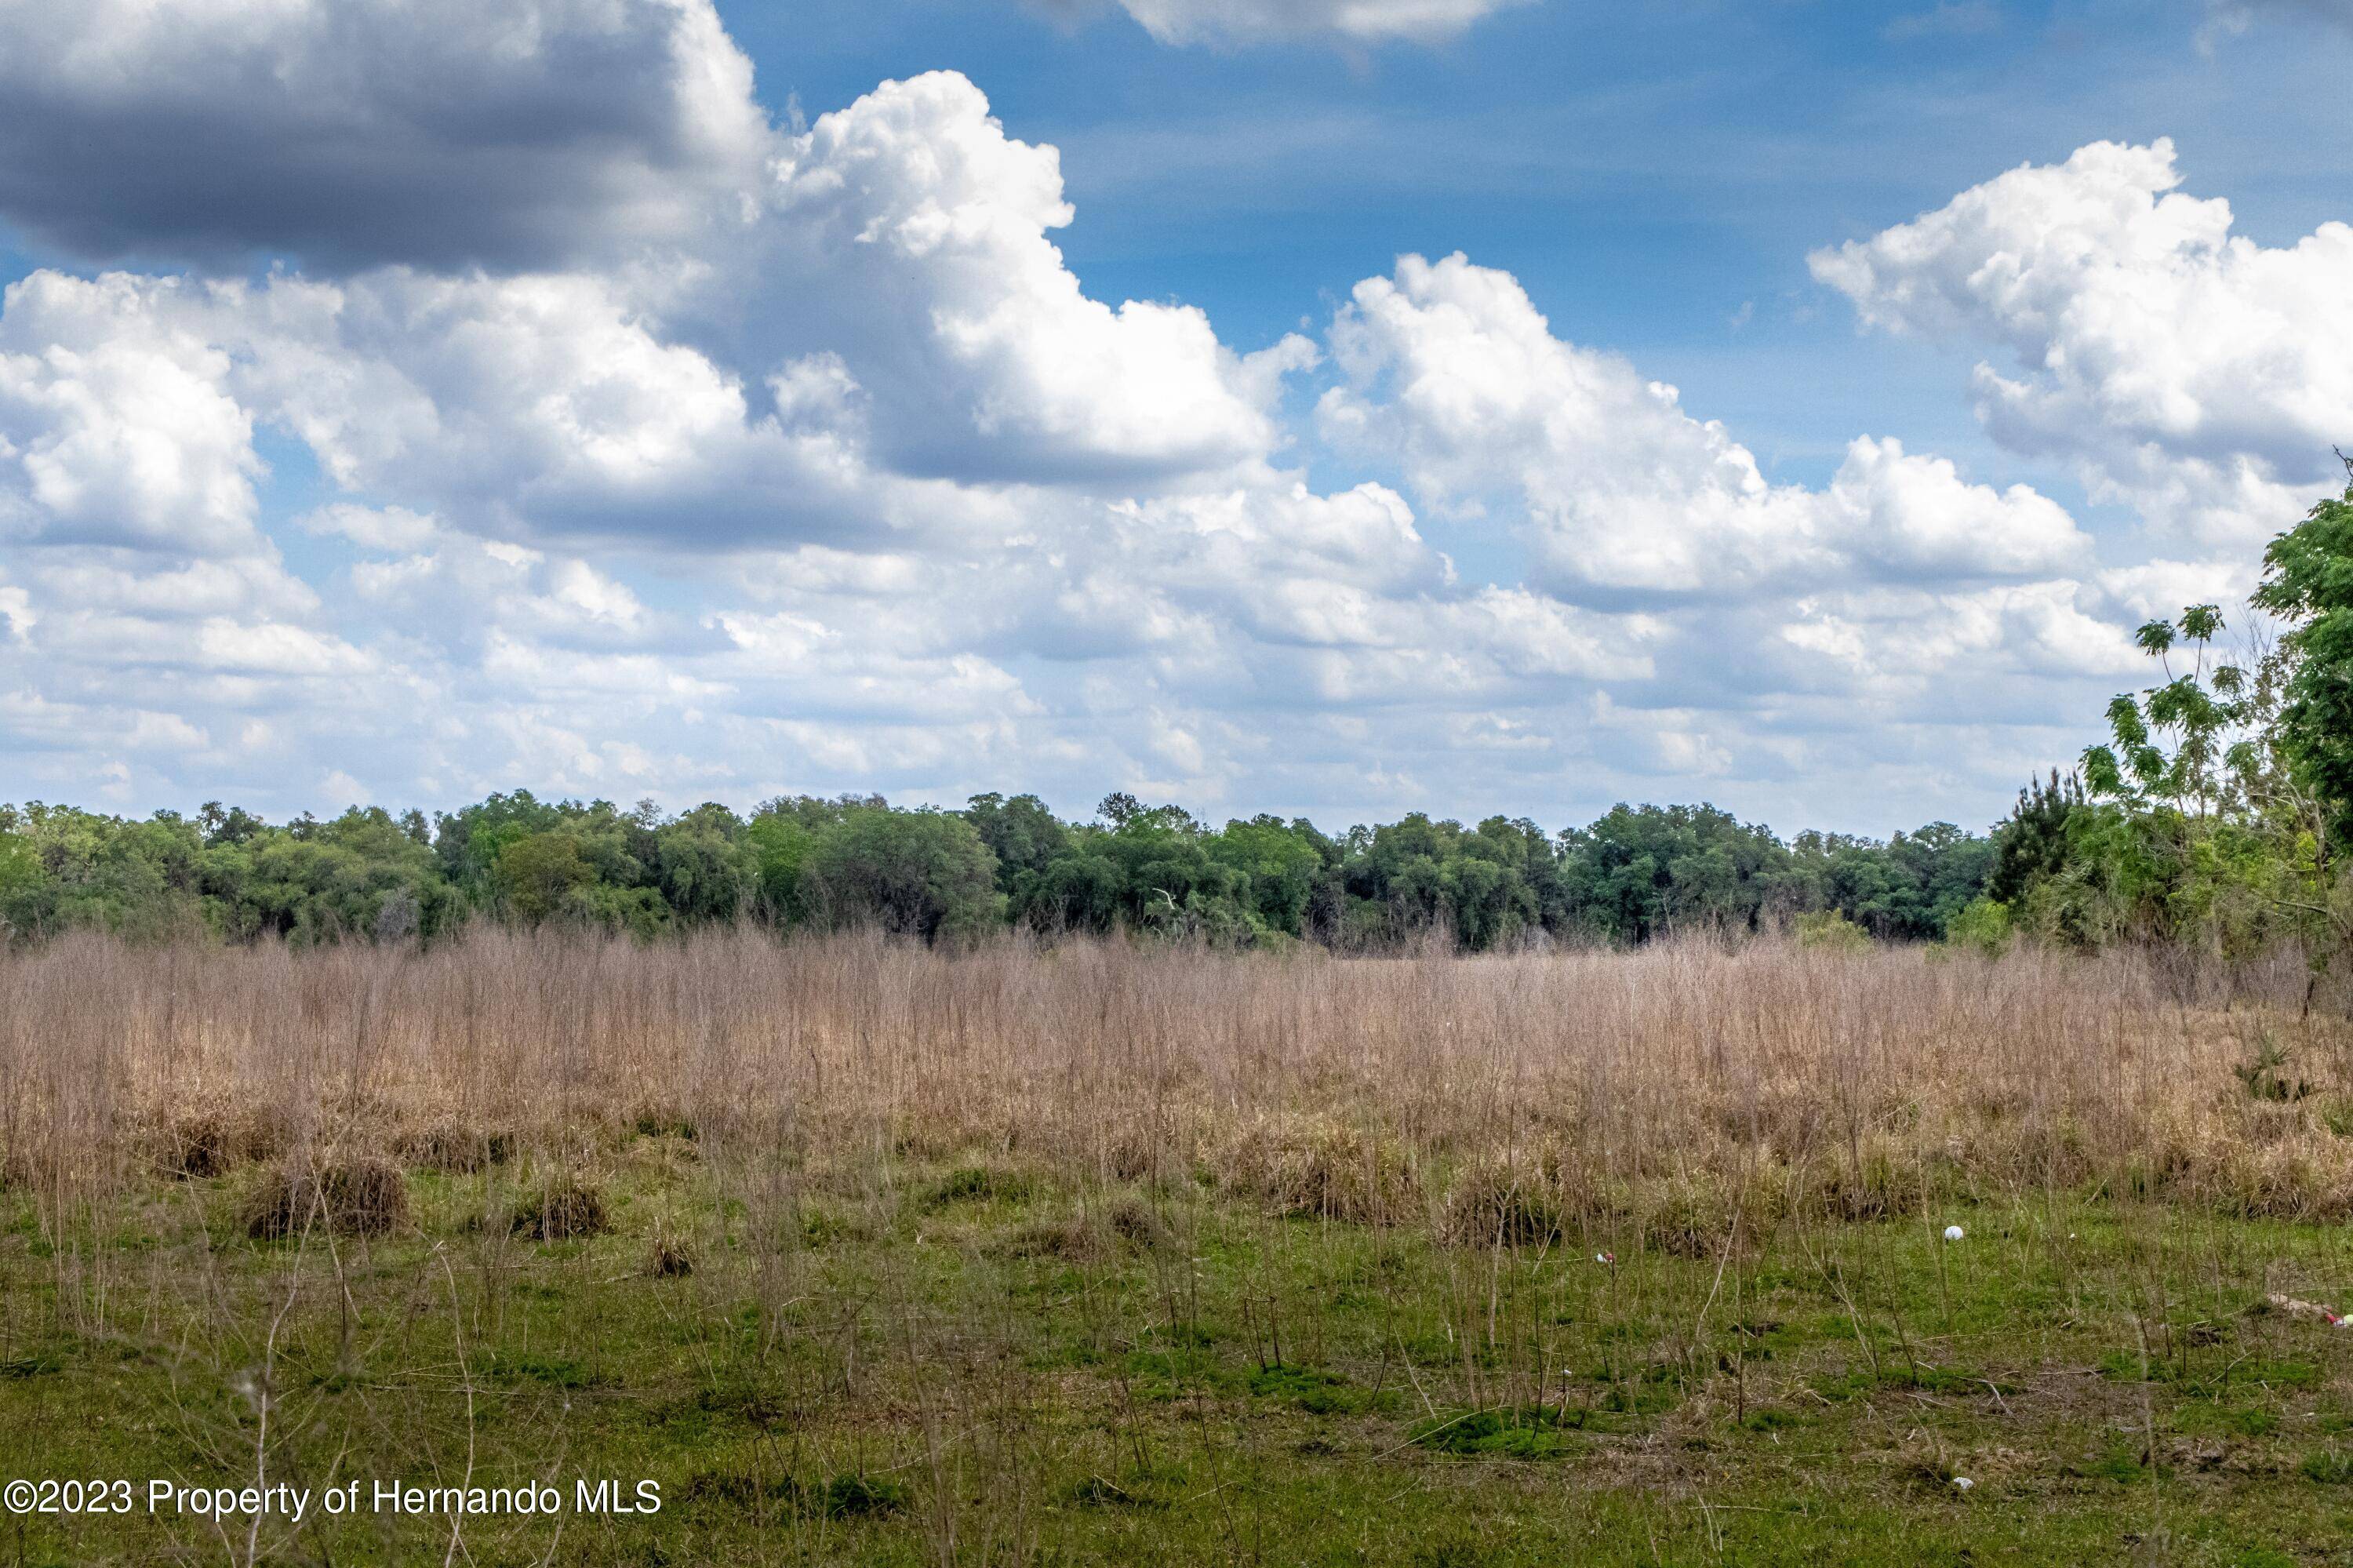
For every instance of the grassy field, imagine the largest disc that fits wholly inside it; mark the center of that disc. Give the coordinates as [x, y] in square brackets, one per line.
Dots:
[863, 1254]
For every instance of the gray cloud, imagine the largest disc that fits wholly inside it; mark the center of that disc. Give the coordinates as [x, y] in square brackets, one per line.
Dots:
[348, 133]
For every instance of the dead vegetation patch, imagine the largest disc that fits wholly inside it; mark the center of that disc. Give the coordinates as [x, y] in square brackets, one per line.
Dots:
[673, 1254]
[566, 1206]
[449, 1145]
[350, 1194]
[1504, 1202]
[1319, 1167]
[1127, 1223]
[199, 1142]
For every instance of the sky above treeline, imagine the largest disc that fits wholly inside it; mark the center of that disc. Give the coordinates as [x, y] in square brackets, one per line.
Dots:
[1337, 407]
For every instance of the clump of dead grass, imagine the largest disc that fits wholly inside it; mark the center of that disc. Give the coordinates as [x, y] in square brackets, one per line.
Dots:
[1320, 1166]
[1125, 1224]
[672, 1257]
[198, 1142]
[1135, 1222]
[1501, 1201]
[665, 1119]
[1072, 1238]
[449, 1144]
[1690, 1215]
[1877, 1177]
[348, 1193]
[567, 1205]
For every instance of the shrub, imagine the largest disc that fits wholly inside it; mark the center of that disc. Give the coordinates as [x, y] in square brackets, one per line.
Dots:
[1832, 932]
[665, 1121]
[1982, 927]
[1133, 1221]
[1878, 1179]
[195, 1145]
[1068, 1236]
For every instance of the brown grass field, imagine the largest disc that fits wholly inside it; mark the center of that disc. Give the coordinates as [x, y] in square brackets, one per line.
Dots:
[863, 1251]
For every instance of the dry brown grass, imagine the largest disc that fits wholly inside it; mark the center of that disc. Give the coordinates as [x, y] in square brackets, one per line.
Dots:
[566, 1206]
[1674, 1085]
[359, 1194]
[999, 1224]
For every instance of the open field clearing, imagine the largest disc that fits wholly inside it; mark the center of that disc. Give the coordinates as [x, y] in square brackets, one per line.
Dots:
[859, 1252]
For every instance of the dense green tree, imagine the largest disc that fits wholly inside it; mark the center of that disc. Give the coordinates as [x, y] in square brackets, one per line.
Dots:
[1153, 870]
[363, 874]
[705, 865]
[1906, 889]
[2031, 844]
[1283, 865]
[541, 876]
[138, 879]
[1021, 833]
[2308, 583]
[1645, 871]
[919, 874]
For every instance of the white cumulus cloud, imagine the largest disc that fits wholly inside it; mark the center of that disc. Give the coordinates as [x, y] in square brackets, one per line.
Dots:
[117, 425]
[724, 460]
[2191, 372]
[915, 219]
[1451, 367]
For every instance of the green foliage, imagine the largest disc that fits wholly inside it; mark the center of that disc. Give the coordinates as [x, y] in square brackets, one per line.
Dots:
[1531, 1432]
[704, 865]
[1909, 889]
[1832, 932]
[541, 875]
[918, 874]
[2265, 1076]
[2192, 711]
[140, 880]
[1983, 926]
[2031, 844]
[2308, 582]
[1023, 836]
[362, 874]
[2209, 817]
[856, 860]
[1645, 871]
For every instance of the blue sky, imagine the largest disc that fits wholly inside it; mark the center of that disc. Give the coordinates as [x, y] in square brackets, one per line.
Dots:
[400, 401]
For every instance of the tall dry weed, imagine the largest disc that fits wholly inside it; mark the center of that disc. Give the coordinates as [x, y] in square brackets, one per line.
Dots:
[1861, 1083]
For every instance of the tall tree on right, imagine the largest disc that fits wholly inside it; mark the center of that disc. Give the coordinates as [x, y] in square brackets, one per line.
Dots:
[2308, 583]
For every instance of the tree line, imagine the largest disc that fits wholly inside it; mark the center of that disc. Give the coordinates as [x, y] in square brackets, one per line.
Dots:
[803, 862]
[2210, 816]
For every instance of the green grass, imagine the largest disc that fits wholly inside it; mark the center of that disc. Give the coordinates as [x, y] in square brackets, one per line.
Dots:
[884, 1370]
